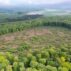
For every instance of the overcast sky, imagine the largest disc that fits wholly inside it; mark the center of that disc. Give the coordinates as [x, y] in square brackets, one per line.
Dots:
[17, 2]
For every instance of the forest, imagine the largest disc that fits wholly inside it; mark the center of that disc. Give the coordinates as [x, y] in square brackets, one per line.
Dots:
[10, 27]
[40, 44]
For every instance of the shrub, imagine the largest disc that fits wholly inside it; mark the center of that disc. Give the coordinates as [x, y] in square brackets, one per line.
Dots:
[15, 66]
[50, 68]
[40, 66]
[31, 69]
[3, 62]
[42, 60]
[10, 57]
[33, 64]
[9, 68]
[62, 69]
[21, 66]
[45, 54]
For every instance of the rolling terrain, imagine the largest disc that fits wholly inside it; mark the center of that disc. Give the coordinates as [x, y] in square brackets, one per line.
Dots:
[39, 43]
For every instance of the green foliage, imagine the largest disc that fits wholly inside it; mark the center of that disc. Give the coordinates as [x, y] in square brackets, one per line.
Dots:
[33, 64]
[62, 69]
[42, 60]
[21, 65]
[31, 69]
[10, 57]
[50, 68]
[11, 27]
[48, 59]
[15, 66]
[2, 69]
[9, 68]
[41, 66]
[23, 47]
[3, 61]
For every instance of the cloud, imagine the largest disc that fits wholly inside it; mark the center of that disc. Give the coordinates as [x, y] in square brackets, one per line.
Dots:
[5, 2]
[39, 1]
[42, 1]
[17, 2]
[45, 1]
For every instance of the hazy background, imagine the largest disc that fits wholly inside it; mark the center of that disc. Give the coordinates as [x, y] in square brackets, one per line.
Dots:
[47, 7]
[66, 4]
[37, 2]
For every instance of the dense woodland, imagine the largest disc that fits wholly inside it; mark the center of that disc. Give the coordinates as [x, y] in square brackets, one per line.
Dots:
[46, 59]
[17, 17]
[25, 58]
[10, 27]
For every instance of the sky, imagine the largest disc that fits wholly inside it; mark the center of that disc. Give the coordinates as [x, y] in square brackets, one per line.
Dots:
[19, 2]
